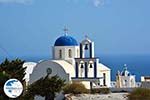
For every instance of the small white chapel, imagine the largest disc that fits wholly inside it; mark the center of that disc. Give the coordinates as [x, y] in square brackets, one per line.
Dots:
[125, 79]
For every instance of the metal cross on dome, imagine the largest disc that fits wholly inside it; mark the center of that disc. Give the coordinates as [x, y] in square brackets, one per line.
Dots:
[65, 30]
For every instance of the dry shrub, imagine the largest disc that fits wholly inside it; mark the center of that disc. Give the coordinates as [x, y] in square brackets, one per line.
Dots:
[75, 88]
[100, 91]
[139, 94]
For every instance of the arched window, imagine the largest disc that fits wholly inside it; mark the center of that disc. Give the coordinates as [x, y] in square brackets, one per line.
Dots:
[69, 53]
[60, 53]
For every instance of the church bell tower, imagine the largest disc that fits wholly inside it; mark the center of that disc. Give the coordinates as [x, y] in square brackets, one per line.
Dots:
[86, 64]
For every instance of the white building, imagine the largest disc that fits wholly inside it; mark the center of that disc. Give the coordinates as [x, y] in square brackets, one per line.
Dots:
[73, 62]
[145, 82]
[30, 66]
[145, 78]
[125, 79]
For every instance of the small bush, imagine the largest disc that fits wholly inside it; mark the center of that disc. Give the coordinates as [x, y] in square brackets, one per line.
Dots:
[100, 91]
[75, 88]
[139, 94]
[27, 96]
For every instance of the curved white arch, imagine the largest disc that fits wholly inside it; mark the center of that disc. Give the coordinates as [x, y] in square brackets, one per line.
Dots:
[59, 67]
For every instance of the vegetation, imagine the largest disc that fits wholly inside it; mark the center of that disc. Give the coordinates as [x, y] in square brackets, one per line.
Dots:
[140, 94]
[10, 69]
[45, 87]
[3, 79]
[75, 88]
[13, 69]
[100, 91]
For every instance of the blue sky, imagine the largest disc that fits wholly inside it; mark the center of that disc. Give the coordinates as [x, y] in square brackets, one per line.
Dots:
[30, 27]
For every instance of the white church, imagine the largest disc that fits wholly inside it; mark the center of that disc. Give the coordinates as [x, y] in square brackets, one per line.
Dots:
[125, 79]
[73, 61]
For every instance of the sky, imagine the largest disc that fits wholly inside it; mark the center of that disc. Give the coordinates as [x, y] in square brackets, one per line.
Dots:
[30, 27]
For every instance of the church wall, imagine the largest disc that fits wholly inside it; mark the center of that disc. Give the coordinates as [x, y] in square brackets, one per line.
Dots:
[93, 49]
[56, 52]
[104, 73]
[126, 81]
[41, 71]
[107, 77]
[132, 81]
[65, 52]
[30, 66]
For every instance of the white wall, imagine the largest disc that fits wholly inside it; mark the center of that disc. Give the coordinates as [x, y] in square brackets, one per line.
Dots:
[104, 69]
[108, 80]
[29, 69]
[65, 52]
[41, 70]
[145, 78]
[126, 81]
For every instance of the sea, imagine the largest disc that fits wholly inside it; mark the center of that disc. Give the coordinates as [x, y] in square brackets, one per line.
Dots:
[138, 65]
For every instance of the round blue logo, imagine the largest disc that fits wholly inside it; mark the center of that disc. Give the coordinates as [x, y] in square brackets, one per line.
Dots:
[13, 88]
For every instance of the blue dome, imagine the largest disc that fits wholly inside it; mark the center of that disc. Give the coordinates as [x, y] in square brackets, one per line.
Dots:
[66, 41]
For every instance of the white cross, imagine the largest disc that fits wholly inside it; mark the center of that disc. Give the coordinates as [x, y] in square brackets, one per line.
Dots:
[65, 30]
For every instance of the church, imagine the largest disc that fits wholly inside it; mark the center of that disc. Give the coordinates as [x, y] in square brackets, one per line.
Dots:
[125, 79]
[73, 61]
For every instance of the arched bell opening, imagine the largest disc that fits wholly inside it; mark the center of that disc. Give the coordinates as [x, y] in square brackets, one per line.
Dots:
[86, 50]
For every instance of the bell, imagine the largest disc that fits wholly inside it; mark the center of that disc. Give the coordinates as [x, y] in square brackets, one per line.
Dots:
[91, 66]
[86, 47]
[82, 66]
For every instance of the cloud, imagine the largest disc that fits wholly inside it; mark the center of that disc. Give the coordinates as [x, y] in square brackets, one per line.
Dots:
[16, 1]
[98, 3]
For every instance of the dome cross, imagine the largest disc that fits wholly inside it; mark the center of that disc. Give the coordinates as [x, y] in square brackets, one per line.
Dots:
[65, 30]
